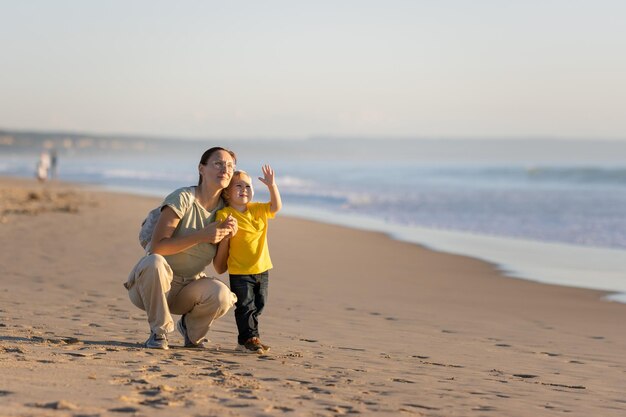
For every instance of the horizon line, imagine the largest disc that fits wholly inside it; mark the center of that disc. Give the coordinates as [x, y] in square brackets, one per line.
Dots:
[149, 136]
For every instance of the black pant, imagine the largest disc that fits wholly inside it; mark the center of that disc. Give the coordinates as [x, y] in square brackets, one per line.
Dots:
[251, 292]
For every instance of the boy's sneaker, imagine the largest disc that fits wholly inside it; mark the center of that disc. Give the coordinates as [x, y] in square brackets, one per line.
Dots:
[182, 329]
[264, 346]
[157, 341]
[253, 345]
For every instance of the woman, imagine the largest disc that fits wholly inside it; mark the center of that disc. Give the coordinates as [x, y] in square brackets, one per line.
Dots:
[170, 279]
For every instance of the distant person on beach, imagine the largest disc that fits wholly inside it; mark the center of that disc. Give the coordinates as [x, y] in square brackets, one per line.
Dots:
[170, 278]
[54, 160]
[247, 255]
[43, 167]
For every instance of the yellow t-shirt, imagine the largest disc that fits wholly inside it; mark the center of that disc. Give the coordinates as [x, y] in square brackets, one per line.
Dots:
[249, 253]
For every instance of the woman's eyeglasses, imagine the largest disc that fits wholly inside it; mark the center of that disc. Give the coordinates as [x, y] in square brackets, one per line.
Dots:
[221, 165]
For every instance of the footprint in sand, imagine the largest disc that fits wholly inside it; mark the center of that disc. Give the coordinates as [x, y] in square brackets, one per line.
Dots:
[75, 354]
[300, 381]
[484, 408]
[421, 406]
[141, 381]
[341, 409]
[124, 410]
[563, 385]
[351, 348]
[526, 376]
[57, 405]
[152, 392]
[237, 405]
[279, 408]
[403, 381]
[319, 390]
[17, 350]
[447, 365]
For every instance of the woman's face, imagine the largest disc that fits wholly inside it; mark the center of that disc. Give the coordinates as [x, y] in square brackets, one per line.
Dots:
[218, 170]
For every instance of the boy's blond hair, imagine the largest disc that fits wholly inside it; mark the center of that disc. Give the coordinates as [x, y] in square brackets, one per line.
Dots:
[236, 174]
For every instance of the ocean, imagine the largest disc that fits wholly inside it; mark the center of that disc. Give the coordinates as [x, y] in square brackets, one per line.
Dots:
[550, 210]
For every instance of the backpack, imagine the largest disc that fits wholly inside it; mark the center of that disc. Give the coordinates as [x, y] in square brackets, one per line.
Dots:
[149, 223]
[147, 227]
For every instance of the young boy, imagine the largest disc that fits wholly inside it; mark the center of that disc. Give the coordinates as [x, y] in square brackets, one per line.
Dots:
[246, 253]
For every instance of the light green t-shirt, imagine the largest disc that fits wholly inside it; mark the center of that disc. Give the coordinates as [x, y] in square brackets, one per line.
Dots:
[192, 261]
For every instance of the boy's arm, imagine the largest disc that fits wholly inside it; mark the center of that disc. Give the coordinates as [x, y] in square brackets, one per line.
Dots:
[220, 261]
[275, 201]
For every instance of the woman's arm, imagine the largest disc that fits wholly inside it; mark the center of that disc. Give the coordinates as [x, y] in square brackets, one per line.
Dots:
[164, 244]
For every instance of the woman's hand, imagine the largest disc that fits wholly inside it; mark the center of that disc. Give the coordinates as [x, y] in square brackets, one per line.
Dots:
[216, 231]
[232, 224]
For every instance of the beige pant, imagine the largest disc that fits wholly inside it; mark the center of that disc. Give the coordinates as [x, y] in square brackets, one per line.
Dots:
[155, 289]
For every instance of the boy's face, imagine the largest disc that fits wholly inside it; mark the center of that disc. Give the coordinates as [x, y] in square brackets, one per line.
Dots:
[240, 191]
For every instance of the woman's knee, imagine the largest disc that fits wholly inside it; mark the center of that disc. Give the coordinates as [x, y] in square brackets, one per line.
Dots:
[155, 268]
[156, 262]
[224, 296]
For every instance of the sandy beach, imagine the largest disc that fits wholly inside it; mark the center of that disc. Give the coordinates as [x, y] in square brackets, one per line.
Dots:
[359, 324]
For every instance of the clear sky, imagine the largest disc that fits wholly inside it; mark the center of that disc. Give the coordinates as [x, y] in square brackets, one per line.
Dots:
[295, 69]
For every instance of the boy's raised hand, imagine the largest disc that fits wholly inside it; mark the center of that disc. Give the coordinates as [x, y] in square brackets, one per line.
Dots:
[268, 172]
[269, 180]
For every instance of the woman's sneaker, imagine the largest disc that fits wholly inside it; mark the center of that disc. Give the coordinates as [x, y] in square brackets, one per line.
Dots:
[182, 329]
[157, 341]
